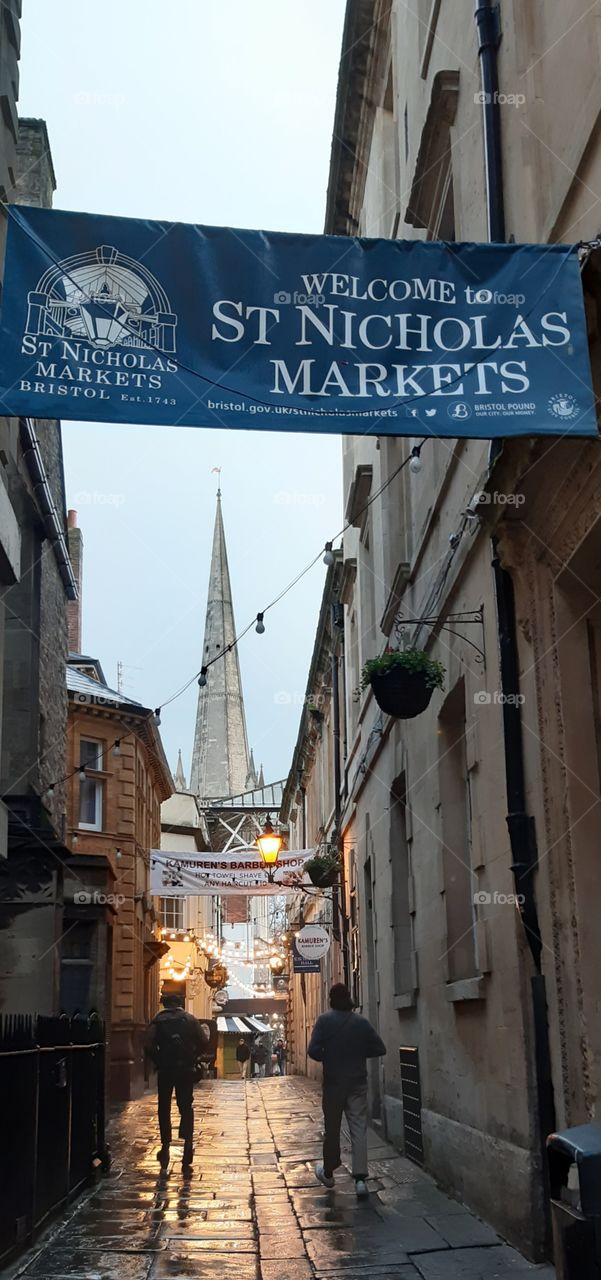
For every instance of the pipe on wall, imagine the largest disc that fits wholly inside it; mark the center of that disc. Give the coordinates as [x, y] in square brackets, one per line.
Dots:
[486, 17]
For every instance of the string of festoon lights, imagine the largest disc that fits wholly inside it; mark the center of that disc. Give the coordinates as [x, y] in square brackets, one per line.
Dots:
[413, 461]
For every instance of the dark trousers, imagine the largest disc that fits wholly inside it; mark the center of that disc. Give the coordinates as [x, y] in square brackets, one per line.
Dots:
[350, 1101]
[183, 1083]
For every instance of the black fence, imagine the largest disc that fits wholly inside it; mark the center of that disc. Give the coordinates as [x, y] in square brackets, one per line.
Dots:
[52, 1114]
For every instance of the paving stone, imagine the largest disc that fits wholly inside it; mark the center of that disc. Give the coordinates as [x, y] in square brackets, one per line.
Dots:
[284, 1270]
[76, 1263]
[495, 1263]
[462, 1230]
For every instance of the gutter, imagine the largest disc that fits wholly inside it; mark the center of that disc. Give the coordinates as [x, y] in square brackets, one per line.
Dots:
[520, 824]
[53, 526]
[488, 25]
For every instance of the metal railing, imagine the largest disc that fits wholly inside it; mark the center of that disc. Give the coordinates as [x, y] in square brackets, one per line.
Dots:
[52, 1117]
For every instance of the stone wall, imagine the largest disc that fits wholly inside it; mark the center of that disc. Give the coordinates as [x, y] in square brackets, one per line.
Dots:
[408, 160]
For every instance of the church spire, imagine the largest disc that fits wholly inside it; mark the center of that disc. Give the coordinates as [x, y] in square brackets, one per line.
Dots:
[180, 777]
[220, 758]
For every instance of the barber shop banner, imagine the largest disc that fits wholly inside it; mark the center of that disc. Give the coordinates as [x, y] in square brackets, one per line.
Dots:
[176, 875]
[123, 320]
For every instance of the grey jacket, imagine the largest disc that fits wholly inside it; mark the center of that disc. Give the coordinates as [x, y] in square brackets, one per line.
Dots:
[343, 1042]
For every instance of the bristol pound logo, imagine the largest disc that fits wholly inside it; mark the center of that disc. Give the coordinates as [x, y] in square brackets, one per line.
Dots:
[105, 298]
[563, 407]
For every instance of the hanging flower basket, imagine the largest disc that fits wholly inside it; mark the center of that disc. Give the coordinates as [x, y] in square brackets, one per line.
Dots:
[403, 681]
[323, 870]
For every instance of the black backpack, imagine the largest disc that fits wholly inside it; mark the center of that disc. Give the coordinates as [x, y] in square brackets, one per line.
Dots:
[176, 1046]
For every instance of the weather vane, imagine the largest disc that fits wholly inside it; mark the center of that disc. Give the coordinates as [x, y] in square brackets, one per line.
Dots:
[218, 470]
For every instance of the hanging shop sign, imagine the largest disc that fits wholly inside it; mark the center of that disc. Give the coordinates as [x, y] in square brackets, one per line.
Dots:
[312, 942]
[123, 320]
[196, 875]
[303, 964]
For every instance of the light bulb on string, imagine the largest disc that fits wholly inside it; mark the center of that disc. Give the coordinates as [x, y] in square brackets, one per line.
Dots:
[329, 556]
[202, 679]
[260, 627]
[82, 773]
[116, 752]
[415, 462]
[157, 716]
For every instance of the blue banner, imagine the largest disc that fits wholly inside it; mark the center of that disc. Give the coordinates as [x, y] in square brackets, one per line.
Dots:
[302, 964]
[122, 320]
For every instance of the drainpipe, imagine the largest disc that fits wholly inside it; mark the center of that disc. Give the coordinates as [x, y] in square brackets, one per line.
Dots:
[524, 854]
[488, 26]
[338, 895]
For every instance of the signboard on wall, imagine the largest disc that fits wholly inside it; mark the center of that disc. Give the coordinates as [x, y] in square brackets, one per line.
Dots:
[110, 319]
[303, 964]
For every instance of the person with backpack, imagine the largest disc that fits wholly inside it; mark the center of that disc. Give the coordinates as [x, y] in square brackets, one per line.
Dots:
[258, 1058]
[343, 1041]
[242, 1057]
[174, 1042]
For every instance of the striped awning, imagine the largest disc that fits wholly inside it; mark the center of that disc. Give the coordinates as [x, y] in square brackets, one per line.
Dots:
[237, 1026]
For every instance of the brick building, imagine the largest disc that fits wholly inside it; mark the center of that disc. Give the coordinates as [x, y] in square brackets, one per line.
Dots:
[111, 943]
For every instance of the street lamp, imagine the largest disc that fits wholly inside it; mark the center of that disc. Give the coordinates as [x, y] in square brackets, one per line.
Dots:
[269, 844]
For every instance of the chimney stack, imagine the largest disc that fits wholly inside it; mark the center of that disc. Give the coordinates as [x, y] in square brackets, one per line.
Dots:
[74, 606]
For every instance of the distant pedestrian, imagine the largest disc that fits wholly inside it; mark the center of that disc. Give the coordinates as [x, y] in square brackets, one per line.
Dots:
[342, 1041]
[280, 1050]
[243, 1057]
[175, 1042]
[258, 1058]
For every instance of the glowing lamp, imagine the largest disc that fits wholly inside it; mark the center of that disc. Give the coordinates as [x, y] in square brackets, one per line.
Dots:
[269, 844]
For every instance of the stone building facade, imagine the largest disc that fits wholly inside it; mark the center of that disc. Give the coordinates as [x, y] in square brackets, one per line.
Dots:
[309, 812]
[36, 583]
[117, 779]
[469, 833]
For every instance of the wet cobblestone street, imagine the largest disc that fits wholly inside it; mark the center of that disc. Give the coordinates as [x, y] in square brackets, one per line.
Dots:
[252, 1210]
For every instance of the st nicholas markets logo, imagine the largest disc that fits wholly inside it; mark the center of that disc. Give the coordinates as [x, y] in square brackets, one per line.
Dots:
[98, 320]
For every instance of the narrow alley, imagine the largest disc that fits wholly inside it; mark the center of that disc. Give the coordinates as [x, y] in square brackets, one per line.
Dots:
[252, 1210]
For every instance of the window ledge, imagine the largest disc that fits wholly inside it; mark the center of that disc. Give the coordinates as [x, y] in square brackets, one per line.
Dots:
[407, 1000]
[466, 989]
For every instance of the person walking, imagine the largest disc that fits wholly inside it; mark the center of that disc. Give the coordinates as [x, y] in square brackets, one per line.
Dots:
[258, 1058]
[174, 1042]
[280, 1050]
[343, 1041]
[242, 1057]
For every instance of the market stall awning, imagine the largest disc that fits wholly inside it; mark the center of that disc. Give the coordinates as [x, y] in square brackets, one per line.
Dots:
[242, 1026]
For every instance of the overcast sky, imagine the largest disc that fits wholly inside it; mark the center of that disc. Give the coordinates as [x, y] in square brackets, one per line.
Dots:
[215, 113]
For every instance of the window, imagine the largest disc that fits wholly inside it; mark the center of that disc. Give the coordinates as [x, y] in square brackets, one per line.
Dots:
[172, 913]
[78, 957]
[91, 789]
[456, 833]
